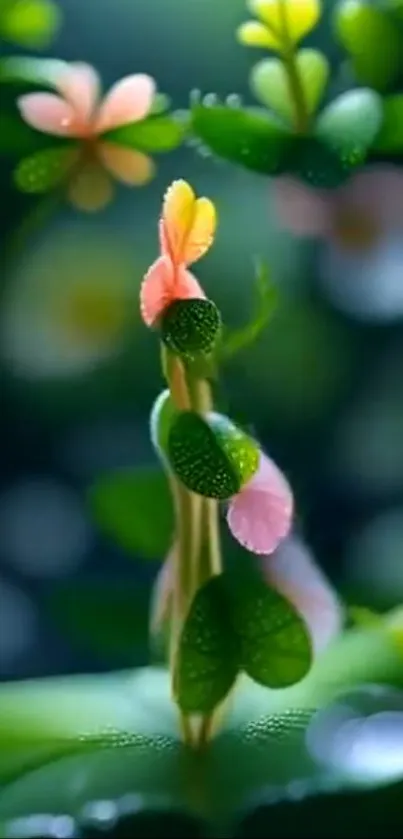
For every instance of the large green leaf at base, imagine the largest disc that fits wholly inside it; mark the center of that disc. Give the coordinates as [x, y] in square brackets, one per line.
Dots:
[253, 138]
[134, 507]
[66, 742]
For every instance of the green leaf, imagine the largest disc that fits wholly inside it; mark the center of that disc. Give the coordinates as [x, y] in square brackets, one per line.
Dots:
[161, 103]
[17, 139]
[134, 507]
[191, 327]
[361, 29]
[265, 303]
[108, 618]
[121, 734]
[318, 165]
[349, 125]
[161, 418]
[270, 83]
[38, 72]
[154, 134]
[275, 646]
[254, 139]
[210, 455]
[31, 23]
[390, 137]
[45, 170]
[207, 659]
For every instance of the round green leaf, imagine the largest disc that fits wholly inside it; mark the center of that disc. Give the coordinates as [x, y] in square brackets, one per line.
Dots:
[207, 658]
[161, 418]
[373, 40]
[390, 137]
[155, 134]
[270, 83]
[191, 327]
[349, 125]
[134, 507]
[254, 139]
[210, 455]
[45, 170]
[109, 618]
[31, 23]
[275, 646]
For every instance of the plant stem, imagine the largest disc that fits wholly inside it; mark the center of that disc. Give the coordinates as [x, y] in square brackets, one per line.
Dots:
[197, 555]
[301, 124]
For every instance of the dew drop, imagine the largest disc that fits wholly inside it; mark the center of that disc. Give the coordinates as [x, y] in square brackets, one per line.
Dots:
[233, 100]
[210, 99]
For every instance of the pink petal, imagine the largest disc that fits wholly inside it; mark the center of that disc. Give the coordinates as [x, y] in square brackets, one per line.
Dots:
[129, 166]
[302, 210]
[48, 113]
[293, 572]
[162, 285]
[129, 100]
[260, 516]
[378, 190]
[79, 84]
[162, 595]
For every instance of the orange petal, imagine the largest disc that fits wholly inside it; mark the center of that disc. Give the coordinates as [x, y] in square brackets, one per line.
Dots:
[188, 224]
[163, 284]
[79, 84]
[129, 100]
[126, 165]
[91, 189]
[48, 113]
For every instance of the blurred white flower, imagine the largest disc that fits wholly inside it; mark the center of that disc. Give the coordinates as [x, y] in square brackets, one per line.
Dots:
[18, 624]
[361, 225]
[43, 529]
[361, 735]
[68, 308]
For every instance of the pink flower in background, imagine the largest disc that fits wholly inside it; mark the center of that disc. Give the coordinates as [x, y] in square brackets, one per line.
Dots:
[77, 112]
[355, 215]
[260, 515]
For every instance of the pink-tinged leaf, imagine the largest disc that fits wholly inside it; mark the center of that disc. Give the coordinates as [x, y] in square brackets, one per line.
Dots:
[79, 84]
[302, 210]
[163, 284]
[260, 516]
[48, 113]
[128, 101]
[292, 571]
[126, 165]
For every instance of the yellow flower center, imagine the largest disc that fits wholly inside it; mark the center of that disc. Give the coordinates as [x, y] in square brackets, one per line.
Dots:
[355, 229]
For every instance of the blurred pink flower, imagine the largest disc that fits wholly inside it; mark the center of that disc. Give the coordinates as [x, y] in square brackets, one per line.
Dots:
[77, 112]
[293, 572]
[260, 515]
[356, 215]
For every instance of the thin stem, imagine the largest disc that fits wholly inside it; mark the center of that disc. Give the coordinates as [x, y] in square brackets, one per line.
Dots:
[296, 89]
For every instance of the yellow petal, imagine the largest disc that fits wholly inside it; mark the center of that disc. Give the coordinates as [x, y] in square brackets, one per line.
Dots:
[253, 34]
[202, 232]
[126, 165]
[188, 224]
[91, 189]
[288, 20]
